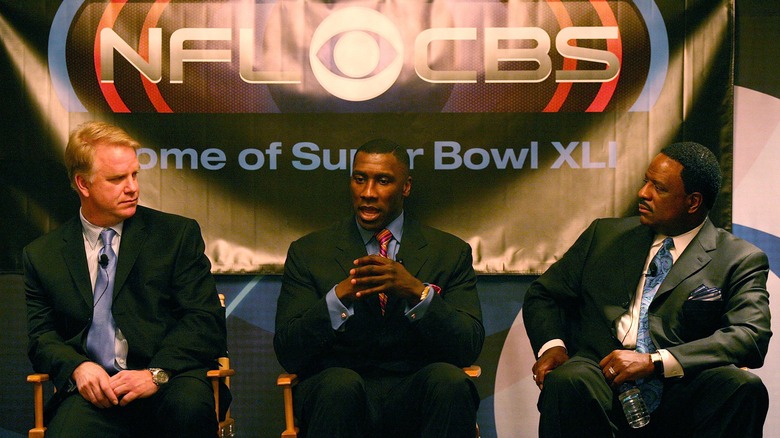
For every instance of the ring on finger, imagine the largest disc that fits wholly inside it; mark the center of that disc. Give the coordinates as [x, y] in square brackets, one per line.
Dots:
[612, 371]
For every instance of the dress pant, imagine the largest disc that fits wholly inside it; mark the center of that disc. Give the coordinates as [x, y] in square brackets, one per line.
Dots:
[439, 400]
[720, 402]
[183, 407]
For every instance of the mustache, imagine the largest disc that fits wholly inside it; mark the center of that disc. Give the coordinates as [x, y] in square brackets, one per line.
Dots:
[646, 205]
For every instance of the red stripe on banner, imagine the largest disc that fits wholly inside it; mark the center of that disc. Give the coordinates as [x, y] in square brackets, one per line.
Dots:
[562, 91]
[109, 90]
[143, 49]
[607, 89]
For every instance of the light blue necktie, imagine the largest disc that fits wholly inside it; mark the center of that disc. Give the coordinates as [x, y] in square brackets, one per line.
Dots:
[102, 332]
[651, 387]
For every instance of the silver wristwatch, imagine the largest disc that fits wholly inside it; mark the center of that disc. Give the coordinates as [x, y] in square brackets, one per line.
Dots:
[159, 376]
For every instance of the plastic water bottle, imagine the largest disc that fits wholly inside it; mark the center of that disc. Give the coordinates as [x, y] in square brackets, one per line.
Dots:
[633, 405]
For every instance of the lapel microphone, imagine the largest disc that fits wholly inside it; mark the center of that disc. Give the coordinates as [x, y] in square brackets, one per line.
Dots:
[103, 261]
[652, 270]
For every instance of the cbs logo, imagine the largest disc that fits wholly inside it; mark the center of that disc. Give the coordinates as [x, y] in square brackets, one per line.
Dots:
[356, 53]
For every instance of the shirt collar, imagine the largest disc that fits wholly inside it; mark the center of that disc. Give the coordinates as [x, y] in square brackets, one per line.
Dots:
[92, 231]
[396, 226]
[680, 241]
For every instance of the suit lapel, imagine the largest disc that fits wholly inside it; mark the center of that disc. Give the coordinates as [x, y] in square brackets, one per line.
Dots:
[412, 252]
[76, 258]
[134, 235]
[631, 257]
[695, 257]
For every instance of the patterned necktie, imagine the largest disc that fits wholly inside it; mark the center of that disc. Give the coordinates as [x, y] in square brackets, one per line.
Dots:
[651, 387]
[383, 237]
[102, 332]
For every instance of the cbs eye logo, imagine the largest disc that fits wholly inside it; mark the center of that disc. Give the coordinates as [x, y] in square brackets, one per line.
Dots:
[356, 53]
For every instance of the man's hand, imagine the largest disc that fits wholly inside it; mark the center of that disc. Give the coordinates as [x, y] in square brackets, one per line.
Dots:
[374, 274]
[94, 385]
[626, 365]
[550, 360]
[130, 385]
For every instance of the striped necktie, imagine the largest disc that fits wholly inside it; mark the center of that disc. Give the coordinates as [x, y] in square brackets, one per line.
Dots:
[383, 237]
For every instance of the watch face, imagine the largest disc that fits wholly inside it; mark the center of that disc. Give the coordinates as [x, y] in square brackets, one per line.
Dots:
[159, 376]
[162, 376]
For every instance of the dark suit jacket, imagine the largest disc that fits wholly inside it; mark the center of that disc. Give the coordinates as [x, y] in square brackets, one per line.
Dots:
[165, 298]
[451, 330]
[595, 281]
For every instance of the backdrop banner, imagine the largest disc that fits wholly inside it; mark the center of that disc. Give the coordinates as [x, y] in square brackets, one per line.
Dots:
[524, 120]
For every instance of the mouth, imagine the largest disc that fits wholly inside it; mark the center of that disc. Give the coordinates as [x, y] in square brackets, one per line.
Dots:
[368, 213]
[644, 208]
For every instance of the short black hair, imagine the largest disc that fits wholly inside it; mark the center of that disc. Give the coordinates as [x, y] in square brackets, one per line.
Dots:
[701, 171]
[384, 146]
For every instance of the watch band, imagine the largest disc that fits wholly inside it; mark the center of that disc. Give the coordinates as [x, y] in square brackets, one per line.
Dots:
[658, 363]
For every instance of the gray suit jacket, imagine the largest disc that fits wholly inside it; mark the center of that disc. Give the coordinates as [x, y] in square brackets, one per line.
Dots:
[582, 295]
[451, 330]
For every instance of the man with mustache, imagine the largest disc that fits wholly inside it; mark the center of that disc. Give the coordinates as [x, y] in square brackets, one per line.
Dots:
[122, 308]
[665, 300]
[378, 313]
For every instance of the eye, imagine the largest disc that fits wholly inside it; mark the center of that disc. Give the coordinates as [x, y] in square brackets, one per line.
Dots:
[356, 53]
[358, 178]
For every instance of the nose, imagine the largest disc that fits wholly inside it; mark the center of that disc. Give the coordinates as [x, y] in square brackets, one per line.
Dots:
[132, 185]
[369, 191]
[644, 191]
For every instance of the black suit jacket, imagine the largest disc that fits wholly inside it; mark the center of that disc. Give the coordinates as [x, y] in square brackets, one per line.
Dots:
[451, 330]
[582, 295]
[165, 298]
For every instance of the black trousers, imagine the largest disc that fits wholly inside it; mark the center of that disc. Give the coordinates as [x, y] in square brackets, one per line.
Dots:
[720, 402]
[439, 400]
[183, 407]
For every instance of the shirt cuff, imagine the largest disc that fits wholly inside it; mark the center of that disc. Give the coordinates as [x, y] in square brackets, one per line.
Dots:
[418, 311]
[550, 344]
[338, 312]
[672, 367]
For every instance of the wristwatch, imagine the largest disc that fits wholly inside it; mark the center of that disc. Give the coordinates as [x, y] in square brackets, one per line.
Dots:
[159, 376]
[658, 363]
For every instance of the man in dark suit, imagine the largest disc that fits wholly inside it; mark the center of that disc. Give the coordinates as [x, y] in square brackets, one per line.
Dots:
[136, 366]
[378, 339]
[592, 332]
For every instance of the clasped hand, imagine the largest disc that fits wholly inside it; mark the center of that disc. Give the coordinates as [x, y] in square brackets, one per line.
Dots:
[103, 391]
[375, 274]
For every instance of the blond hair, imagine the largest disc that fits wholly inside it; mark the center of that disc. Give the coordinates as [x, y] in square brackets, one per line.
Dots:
[80, 152]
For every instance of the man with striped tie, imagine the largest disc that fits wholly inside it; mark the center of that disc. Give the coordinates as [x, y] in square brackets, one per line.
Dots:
[378, 313]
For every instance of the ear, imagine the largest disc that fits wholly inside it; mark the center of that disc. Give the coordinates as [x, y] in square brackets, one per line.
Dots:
[407, 187]
[82, 185]
[695, 202]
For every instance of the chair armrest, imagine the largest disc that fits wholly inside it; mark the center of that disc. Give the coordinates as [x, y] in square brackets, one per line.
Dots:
[473, 371]
[37, 380]
[218, 374]
[287, 381]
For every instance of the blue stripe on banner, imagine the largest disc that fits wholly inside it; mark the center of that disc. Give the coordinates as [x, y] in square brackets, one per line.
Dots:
[58, 68]
[769, 243]
[241, 295]
[659, 55]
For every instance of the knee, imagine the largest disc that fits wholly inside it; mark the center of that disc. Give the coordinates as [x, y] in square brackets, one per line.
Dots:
[341, 384]
[447, 381]
[189, 404]
[748, 386]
